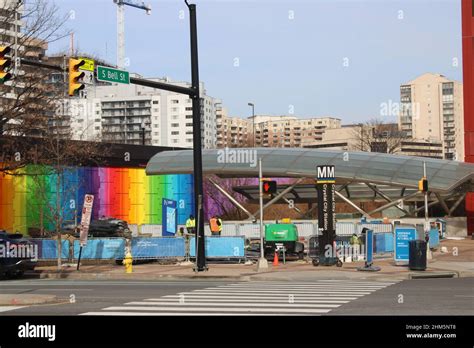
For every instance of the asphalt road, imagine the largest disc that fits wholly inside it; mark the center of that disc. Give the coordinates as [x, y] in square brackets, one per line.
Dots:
[196, 297]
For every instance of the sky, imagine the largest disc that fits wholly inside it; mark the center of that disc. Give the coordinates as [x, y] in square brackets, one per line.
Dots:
[304, 58]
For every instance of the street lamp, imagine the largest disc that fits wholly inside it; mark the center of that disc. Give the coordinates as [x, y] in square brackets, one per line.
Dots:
[253, 118]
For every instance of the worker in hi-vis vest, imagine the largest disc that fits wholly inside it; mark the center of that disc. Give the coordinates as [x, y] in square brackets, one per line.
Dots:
[191, 225]
[215, 224]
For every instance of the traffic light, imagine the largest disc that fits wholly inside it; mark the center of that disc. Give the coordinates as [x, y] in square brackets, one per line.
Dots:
[75, 76]
[423, 185]
[269, 187]
[5, 63]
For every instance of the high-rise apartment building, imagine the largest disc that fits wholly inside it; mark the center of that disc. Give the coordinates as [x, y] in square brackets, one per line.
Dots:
[233, 131]
[431, 109]
[289, 131]
[135, 114]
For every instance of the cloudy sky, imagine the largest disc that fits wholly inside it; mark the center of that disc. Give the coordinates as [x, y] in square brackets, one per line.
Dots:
[312, 58]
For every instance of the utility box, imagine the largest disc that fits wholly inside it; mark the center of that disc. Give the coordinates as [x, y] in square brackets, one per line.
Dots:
[283, 235]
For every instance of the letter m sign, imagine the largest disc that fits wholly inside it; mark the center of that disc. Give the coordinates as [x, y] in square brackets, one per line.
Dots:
[326, 175]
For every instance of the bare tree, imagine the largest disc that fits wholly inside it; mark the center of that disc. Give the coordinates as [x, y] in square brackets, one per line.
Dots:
[377, 136]
[34, 124]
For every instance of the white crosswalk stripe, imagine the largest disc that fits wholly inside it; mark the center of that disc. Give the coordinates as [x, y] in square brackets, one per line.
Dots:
[10, 308]
[252, 298]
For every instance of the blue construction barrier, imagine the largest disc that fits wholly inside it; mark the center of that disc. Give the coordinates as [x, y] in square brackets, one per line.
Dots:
[383, 243]
[434, 238]
[48, 248]
[221, 247]
[100, 249]
[158, 247]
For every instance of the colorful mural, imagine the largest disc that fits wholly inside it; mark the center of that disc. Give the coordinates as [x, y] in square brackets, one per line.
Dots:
[26, 200]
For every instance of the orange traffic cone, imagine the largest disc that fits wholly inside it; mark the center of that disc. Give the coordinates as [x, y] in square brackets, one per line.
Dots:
[275, 259]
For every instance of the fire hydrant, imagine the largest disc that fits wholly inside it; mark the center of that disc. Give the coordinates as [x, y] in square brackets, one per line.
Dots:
[127, 261]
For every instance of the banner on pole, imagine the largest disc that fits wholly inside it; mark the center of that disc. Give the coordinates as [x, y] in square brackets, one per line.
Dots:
[86, 218]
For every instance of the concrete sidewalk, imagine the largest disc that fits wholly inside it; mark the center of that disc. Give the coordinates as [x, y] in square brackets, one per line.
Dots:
[457, 262]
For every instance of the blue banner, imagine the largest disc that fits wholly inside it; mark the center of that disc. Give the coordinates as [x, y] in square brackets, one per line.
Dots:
[101, 249]
[221, 247]
[403, 235]
[157, 247]
[369, 246]
[169, 217]
[383, 242]
[48, 248]
[434, 237]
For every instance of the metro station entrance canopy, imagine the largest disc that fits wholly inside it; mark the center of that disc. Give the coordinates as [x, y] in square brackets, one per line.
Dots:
[359, 175]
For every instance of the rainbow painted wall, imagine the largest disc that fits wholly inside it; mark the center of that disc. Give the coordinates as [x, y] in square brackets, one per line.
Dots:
[124, 193]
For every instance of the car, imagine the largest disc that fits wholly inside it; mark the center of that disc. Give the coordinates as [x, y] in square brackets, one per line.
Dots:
[17, 255]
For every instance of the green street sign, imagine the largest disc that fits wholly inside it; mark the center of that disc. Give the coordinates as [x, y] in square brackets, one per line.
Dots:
[112, 75]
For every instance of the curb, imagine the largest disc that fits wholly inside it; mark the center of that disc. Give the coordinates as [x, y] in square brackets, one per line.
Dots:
[108, 276]
[429, 275]
[26, 300]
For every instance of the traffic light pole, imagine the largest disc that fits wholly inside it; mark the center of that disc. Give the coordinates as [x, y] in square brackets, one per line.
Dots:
[197, 149]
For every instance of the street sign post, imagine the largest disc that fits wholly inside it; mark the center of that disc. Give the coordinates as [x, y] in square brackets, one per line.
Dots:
[106, 74]
[85, 222]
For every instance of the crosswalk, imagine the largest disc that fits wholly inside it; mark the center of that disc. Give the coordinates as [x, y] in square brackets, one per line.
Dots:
[10, 308]
[252, 298]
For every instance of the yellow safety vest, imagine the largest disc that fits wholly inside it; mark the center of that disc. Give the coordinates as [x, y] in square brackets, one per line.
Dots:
[190, 223]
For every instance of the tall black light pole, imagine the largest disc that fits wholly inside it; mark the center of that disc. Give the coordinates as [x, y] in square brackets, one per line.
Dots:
[253, 120]
[197, 150]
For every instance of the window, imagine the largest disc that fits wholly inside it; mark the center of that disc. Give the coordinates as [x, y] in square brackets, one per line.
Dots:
[189, 116]
[189, 109]
[174, 101]
[155, 101]
[189, 124]
[174, 141]
[156, 133]
[97, 120]
[175, 133]
[175, 125]
[97, 128]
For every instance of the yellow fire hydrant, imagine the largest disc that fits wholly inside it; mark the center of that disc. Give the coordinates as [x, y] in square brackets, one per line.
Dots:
[127, 261]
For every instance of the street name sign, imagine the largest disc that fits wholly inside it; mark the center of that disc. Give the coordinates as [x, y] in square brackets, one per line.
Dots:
[106, 74]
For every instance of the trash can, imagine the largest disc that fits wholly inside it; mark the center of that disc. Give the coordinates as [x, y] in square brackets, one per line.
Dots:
[417, 255]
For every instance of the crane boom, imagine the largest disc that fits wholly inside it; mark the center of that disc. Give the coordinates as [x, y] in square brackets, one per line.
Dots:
[121, 27]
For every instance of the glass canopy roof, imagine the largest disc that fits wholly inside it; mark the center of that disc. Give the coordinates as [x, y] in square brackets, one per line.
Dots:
[397, 170]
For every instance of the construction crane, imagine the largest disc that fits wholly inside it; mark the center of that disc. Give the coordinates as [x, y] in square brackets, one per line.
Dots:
[121, 27]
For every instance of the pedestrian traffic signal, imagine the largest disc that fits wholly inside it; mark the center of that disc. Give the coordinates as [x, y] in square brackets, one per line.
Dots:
[269, 187]
[423, 185]
[75, 76]
[5, 63]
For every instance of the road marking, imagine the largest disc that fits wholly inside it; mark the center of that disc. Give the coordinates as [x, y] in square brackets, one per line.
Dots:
[251, 298]
[212, 309]
[220, 299]
[294, 305]
[10, 308]
[131, 314]
[259, 298]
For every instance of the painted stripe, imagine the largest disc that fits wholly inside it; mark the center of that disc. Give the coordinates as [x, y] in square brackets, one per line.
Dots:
[259, 298]
[230, 304]
[301, 288]
[281, 300]
[212, 309]
[10, 308]
[292, 291]
[131, 314]
[314, 294]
